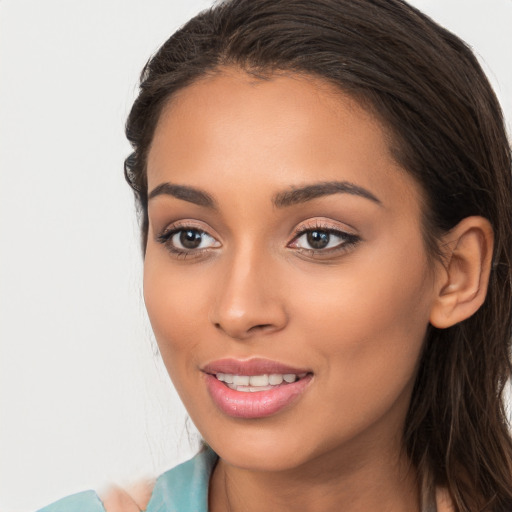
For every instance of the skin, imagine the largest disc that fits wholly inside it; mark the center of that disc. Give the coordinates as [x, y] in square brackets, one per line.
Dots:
[356, 316]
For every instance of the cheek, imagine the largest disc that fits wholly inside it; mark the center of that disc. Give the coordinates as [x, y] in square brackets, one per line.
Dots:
[173, 302]
[369, 321]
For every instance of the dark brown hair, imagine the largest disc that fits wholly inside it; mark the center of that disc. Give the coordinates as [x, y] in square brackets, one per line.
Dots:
[447, 130]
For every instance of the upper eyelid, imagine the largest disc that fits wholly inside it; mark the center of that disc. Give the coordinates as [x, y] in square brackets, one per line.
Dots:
[336, 229]
[345, 231]
[303, 227]
[166, 236]
[185, 224]
[337, 232]
[325, 225]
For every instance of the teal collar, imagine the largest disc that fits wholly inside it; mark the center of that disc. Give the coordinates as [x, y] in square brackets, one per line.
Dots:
[185, 487]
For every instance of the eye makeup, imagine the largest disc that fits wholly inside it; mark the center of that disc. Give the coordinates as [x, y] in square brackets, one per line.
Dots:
[322, 239]
[317, 239]
[186, 239]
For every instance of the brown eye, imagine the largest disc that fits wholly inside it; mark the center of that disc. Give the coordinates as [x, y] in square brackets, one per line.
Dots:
[190, 238]
[323, 240]
[318, 239]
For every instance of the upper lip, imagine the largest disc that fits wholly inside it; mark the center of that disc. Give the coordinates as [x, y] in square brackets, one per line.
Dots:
[254, 366]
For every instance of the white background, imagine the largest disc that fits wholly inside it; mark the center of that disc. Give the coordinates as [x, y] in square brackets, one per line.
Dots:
[84, 399]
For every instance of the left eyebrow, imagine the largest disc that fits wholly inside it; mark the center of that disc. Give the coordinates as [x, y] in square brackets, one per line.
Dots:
[326, 188]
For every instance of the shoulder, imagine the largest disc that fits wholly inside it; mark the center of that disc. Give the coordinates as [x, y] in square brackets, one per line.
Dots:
[114, 499]
[87, 501]
[134, 499]
[182, 488]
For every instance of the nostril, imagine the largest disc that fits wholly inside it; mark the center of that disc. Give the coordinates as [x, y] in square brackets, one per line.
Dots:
[261, 327]
[243, 333]
[252, 319]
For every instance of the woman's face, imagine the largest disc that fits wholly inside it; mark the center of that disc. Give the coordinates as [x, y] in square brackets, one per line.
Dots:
[285, 241]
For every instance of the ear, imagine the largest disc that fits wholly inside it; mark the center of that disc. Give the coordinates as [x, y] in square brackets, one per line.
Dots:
[463, 276]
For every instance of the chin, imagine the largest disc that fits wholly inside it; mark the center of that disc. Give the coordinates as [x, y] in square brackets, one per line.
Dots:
[274, 459]
[258, 446]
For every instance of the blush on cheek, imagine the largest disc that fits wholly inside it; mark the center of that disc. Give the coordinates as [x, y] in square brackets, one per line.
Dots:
[374, 330]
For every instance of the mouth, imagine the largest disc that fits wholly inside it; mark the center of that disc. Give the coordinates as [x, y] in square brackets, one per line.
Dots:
[256, 383]
[255, 388]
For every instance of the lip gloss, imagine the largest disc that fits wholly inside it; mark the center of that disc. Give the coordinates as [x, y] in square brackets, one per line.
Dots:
[254, 404]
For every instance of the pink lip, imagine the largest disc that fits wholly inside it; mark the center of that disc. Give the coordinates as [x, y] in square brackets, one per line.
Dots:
[255, 366]
[258, 404]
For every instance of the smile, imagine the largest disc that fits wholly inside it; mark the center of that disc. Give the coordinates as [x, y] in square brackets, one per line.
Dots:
[255, 388]
[256, 383]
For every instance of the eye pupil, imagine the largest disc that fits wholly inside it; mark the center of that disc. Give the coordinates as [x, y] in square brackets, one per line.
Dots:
[318, 239]
[190, 238]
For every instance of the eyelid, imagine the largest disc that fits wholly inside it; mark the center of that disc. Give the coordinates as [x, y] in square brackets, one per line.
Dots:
[348, 237]
[183, 224]
[323, 224]
[166, 235]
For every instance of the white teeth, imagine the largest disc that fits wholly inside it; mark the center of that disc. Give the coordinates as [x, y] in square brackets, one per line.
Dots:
[252, 389]
[275, 379]
[260, 388]
[225, 377]
[258, 380]
[241, 380]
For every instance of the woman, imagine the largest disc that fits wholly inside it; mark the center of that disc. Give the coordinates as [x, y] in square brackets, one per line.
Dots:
[326, 201]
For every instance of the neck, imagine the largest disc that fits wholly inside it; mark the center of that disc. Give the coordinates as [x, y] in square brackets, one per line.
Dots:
[376, 481]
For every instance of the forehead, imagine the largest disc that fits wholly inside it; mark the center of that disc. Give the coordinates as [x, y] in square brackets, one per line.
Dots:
[288, 129]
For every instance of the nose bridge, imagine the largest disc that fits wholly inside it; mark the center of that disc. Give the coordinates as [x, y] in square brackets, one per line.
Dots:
[248, 299]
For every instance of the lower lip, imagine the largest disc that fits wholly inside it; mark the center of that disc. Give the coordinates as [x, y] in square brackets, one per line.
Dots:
[254, 404]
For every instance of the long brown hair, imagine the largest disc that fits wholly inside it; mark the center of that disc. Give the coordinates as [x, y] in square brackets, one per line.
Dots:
[447, 130]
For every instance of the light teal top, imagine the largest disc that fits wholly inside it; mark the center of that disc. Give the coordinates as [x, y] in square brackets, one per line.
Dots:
[182, 489]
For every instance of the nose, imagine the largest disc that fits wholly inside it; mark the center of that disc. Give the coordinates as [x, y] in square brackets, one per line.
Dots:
[249, 299]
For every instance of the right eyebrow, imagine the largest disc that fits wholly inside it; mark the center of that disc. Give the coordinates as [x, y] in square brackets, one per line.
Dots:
[185, 193]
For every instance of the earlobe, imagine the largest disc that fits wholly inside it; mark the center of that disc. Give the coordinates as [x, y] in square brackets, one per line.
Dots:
[461, 283]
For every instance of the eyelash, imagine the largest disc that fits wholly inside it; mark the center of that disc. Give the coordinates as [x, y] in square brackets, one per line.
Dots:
[168, 234]
[348, 240]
